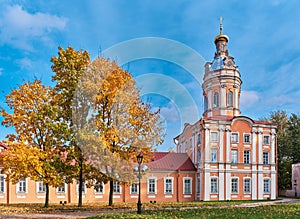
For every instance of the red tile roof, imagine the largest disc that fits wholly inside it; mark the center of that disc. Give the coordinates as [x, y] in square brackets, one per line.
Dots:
[171, 161]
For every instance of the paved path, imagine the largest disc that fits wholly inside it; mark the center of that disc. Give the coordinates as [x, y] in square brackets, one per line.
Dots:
[85, 214]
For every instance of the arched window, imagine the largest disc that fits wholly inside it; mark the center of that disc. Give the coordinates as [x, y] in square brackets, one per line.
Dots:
[205, 103]
[216, 99]
[230, 98]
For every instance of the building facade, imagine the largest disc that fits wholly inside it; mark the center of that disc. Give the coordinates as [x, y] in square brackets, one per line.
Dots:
[235, 155]
[171, 178]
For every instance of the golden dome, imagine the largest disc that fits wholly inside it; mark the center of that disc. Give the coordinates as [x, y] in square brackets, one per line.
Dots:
[221, 37]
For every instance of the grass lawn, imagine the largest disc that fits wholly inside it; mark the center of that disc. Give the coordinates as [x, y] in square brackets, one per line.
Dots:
[268, 211]
[225, 209]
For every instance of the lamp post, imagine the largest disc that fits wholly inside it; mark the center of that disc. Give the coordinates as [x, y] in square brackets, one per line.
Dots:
[295, 187]
[139, 204]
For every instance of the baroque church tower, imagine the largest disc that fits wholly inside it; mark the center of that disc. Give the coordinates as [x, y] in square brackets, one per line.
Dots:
[235, 156]
[221, 82]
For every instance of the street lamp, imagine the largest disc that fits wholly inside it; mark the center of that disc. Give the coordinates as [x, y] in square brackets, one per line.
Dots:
[295, 187]
[139, 204]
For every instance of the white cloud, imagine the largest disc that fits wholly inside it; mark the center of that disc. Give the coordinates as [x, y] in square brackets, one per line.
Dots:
[248, 98]
[24, 63]
[170, 113]
[19, 27]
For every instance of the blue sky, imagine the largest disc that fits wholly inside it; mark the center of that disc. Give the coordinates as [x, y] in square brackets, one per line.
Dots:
[163, 44]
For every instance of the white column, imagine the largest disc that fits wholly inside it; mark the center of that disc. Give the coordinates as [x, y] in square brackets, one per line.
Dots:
[260, 185]
[254, 152]
[221, 145]
[254, 186]
[260, 162]
[260, 150]
[223, 98]
[228, 132]
[273, 182]
[209, 102]
[206, 143]
[221, 184]
[273, 141]
[207, 186]
[228, 177]
[236, 99]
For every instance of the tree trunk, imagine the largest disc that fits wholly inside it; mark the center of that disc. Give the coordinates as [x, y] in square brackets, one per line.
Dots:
[47, 196]
[111, 192]
[80, 183]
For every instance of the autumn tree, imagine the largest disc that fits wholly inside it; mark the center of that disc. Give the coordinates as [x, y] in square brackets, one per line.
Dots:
[36, 149]
[120, 125]
[69, 65]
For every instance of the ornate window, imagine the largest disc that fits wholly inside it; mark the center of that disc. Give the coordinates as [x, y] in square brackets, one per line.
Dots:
[205, 103]
[246, 157]
[214, 185]
[216, 99]
[266, 158]
[234, 156]
[187, 185]
[267, 186]
[230, 98]
[247, 185]
[234, 185]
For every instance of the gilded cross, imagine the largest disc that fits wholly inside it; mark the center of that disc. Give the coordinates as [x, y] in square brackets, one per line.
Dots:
[221, 26]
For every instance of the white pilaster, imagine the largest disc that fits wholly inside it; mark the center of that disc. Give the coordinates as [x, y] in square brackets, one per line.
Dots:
[221, 145]
[223, 99]
[207, 148]
[228, 132]
[273, 140]
[260, 185]
[273, 183]
[260, 151]
[207, 186]
[254, 153]
[228, 176]
[254, 186]
[221, 184]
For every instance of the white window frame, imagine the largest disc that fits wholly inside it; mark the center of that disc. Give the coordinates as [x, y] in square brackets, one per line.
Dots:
[117, 187]
[235, 137]
[83, 188]
[214, 155]
[62, 189]
[166, 185]
[266, 185]
[266, 139]
[216, 191]
[40, 187]
[187, 185]
[2, 183]
[265, 158]
[96, 184]
[247, 157]
[249, 136]
[234, 185]
[136, 186]
[148, 185]
[18, 186]
[234, 156]
[214, 136]
[247, 185]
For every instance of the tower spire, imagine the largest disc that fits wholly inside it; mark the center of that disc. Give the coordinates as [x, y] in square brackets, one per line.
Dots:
[221, 25]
